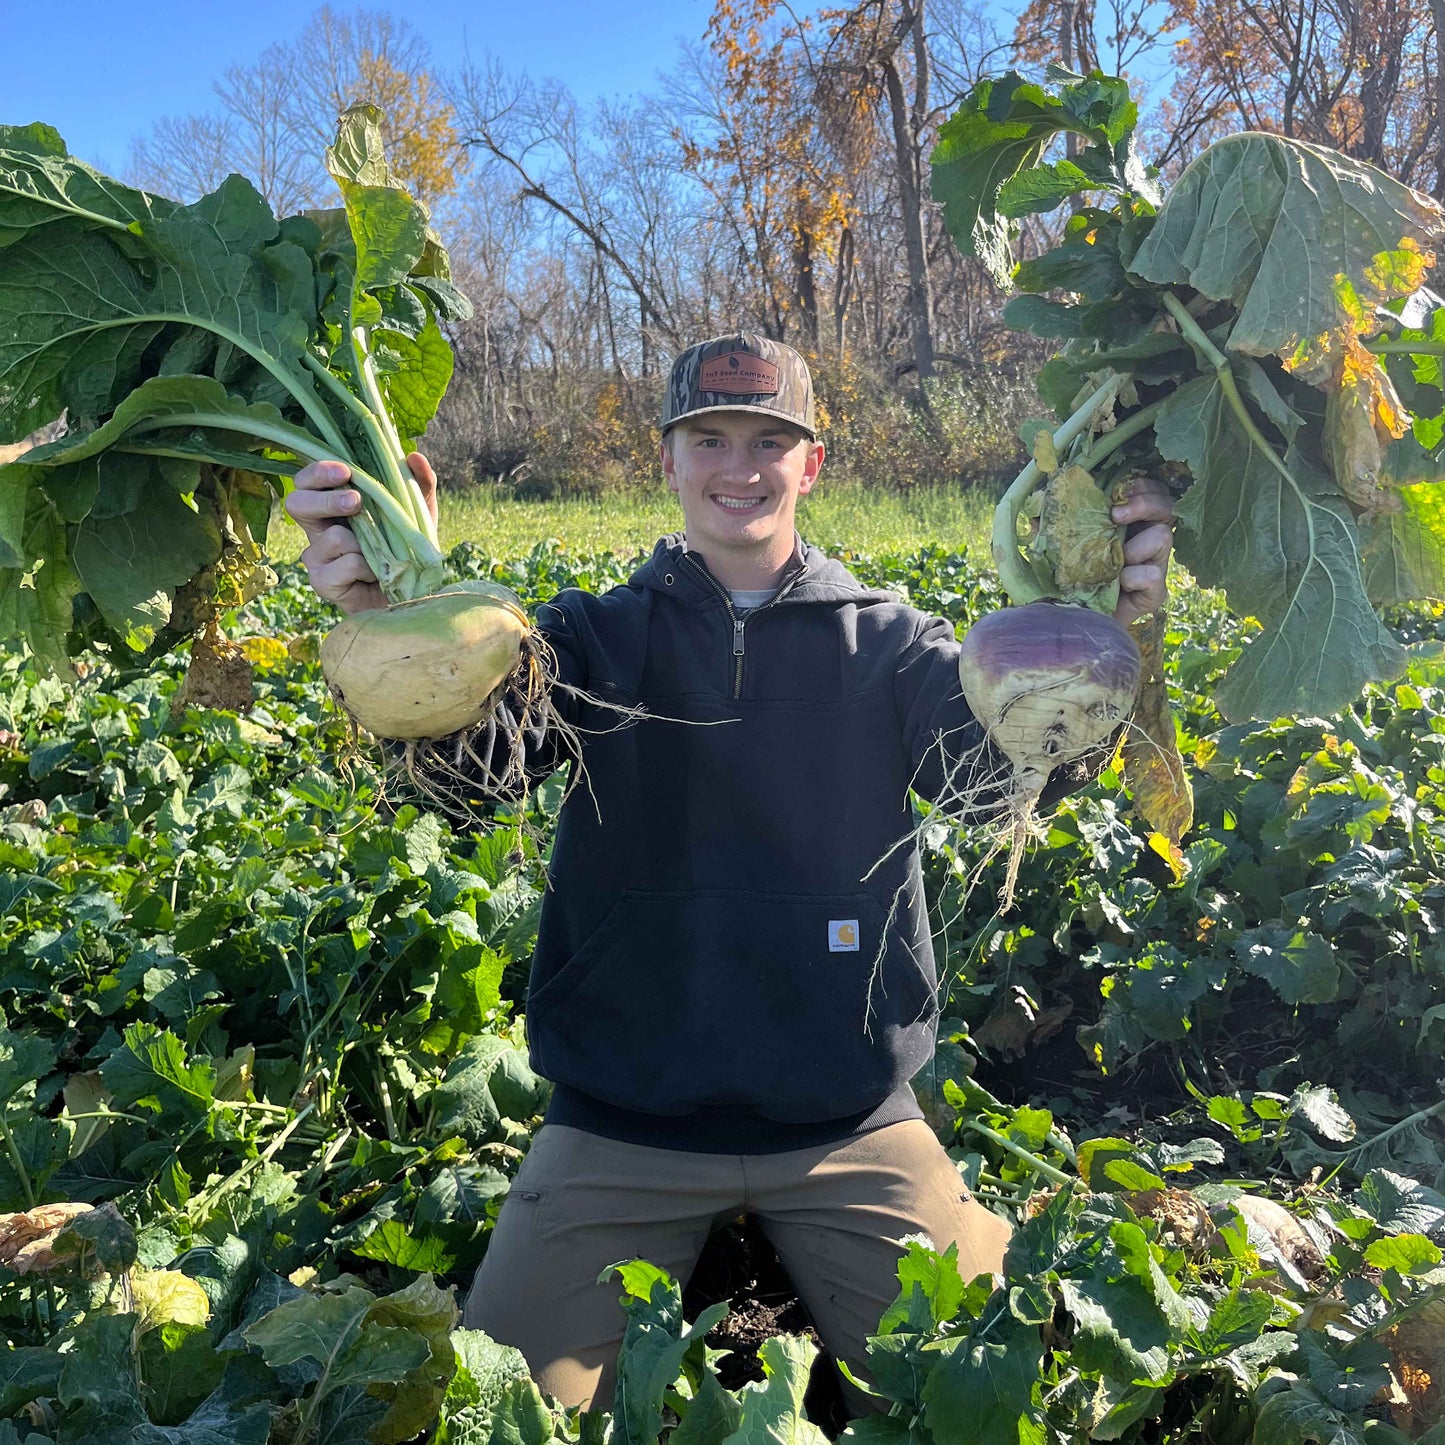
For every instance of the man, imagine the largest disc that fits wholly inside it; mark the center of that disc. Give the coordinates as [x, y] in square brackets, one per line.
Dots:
[733, 981]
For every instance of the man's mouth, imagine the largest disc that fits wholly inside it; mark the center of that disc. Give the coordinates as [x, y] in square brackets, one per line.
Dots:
[739, 504]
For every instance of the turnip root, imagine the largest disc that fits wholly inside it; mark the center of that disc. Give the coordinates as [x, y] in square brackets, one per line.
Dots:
[425, 668]
[1050, 682]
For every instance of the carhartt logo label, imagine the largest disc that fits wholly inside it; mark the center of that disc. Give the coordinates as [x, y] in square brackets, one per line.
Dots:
[842, 935]
[738, 373]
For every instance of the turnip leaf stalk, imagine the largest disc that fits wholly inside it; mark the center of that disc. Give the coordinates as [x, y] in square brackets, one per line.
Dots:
[199, 353]
[1263, 338]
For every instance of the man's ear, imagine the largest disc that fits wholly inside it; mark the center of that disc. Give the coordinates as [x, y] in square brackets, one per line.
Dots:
[811, 468]
[669, 463]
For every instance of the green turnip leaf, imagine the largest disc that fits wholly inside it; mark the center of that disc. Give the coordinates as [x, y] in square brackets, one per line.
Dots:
[772, 1412]
[1275, 534]
[985, 165]
[987, 1390]
[41, 183]
[1269, 224]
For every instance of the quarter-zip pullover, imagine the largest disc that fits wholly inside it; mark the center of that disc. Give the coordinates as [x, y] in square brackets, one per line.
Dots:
[734, 952]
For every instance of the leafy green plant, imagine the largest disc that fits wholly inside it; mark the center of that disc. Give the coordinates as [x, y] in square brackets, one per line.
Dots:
[1263, 337]
[198, 350]
[273, 1015]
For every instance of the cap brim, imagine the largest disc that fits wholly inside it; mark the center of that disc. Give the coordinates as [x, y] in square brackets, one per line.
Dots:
[809, 432]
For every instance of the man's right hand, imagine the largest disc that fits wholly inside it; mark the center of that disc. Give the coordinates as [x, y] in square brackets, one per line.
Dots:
[320, 504]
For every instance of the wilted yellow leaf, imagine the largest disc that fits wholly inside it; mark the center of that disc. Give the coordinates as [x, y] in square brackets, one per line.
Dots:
[1153, 770]
[166, 1296]
[267, 653]
[1044, 452]
[1082, 542]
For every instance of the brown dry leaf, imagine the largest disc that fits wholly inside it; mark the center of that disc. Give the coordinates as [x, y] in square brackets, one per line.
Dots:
[1417, 1347]
[1363, 415]
[219, 674]
[1153, 769]
[1181, 1216]
[1286, 1233]
[27, 1239]
[1082, 542]
[1013, 1026]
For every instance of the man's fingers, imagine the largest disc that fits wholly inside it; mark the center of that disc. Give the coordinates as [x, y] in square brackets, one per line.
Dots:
[320, 495]
[1150, 544]
[315, 510]
[1148, 501]
[1146, 583]
[330, 543]
[426, 479]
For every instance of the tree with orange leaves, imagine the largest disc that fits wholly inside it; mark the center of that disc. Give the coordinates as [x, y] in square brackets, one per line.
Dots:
[763, 153]
[1361, 76]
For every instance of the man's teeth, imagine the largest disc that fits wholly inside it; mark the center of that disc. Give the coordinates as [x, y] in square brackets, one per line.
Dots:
[738, 504]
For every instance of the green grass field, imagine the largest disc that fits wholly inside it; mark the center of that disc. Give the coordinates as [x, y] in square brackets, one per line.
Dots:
[840, 518]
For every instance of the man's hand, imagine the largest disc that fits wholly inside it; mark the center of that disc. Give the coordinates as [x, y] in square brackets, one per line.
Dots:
[334, 563]
[1149, 515]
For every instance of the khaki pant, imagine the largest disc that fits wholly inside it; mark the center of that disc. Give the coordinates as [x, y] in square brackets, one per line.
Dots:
[834, 1214]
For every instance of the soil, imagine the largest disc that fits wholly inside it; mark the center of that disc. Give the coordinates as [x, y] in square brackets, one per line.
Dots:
[738, 1265]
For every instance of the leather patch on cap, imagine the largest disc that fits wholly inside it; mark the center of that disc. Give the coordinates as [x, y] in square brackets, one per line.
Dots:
[738, 373]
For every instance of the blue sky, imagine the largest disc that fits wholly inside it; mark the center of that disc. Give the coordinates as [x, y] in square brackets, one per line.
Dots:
[102, 71]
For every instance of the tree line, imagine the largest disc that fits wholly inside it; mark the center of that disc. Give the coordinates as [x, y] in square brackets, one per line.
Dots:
[776, 179]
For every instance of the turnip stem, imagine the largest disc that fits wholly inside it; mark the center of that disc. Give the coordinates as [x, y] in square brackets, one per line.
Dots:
[390, 463]
[1056, 1176]
[1111, 441]
[411, 541]
[1019, 580]
[388, 441]
[1219, 362]
[1382, 346]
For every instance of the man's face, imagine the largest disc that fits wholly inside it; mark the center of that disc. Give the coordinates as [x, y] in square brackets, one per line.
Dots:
[738, 476]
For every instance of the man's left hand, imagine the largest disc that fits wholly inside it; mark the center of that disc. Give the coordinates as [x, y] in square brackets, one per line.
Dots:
[1148, 513]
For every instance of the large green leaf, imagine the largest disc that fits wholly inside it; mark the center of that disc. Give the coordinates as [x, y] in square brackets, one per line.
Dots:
[985, 165]
[1275, 533]
[151, 1069]
[37, 596]
[1269, 224]
[1298, 965]
[27, 1373]
[429, 1313]
[772, 1412]
[986, 1390]
[335, 1332]
[654, 1346]
[40, 183]
[1403, 555]
[82, 316]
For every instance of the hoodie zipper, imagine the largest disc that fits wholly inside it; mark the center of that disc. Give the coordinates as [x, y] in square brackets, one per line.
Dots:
[739, 647]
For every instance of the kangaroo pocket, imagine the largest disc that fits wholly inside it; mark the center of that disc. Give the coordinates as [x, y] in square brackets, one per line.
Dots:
[795, 1007]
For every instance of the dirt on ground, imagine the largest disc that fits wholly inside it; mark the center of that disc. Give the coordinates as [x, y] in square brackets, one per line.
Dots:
[738, 1265]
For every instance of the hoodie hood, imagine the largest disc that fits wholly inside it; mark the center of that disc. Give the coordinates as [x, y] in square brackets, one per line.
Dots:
[677, 572]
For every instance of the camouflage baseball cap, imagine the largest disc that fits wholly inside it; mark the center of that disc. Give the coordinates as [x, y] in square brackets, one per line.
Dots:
[741, 372]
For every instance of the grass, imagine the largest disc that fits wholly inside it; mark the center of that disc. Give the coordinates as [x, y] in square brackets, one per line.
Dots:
[838, 518]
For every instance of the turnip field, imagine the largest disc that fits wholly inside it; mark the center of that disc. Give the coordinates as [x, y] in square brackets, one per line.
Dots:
[264, 1079]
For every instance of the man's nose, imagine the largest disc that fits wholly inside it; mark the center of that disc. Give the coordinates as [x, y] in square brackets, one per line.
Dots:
[739, 468]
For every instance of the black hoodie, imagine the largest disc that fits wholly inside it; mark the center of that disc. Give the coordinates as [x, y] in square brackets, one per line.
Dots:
[734, 955]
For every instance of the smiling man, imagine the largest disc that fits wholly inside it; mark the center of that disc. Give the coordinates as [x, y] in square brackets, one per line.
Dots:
[733, 981]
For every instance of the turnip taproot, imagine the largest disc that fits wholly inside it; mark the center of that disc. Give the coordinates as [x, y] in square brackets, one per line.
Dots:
[1050, 682]
[425, 668]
